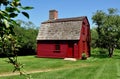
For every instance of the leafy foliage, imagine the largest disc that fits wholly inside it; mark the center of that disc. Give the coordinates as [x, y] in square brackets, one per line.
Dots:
[8, 40]
[94, 37]
[26, 33]
[108, 29]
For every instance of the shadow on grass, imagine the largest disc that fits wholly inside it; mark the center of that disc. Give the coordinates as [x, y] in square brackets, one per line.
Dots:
[116, 56]
[99, 56]
[99, 53]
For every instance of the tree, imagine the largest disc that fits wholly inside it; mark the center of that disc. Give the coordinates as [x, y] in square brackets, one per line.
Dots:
[10, 9]
[94, 37]
[98, 19]
[108, 29]
[26, 33]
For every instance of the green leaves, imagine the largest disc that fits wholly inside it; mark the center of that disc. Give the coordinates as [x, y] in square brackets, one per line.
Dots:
[98, 17]
[13, 15]
[108, 25]
[27, 8]
[6, 23]
[10, 9]
[16, 3]
[4, 2]
[8, 41]
[25, 14]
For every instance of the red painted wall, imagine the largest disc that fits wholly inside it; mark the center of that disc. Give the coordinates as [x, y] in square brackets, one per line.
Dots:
[67, 49]
[84, 42]
[47, 49]
[76, 50]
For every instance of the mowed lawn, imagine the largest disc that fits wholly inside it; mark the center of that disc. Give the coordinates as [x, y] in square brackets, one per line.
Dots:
[95, 67]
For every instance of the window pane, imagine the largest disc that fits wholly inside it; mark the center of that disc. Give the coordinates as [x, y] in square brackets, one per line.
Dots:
[57, 47]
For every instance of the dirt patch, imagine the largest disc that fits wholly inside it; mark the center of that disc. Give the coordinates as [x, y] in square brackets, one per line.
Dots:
[38, 71]
[29, 72]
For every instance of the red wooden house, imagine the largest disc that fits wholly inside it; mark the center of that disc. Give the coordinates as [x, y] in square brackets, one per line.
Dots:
[63, 38]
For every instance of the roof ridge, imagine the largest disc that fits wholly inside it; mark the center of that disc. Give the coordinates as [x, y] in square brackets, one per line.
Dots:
[65, 19]
[73, 17]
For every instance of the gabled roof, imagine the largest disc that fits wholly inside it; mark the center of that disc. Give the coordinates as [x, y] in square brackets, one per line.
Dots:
[65, 19]
[61, 29]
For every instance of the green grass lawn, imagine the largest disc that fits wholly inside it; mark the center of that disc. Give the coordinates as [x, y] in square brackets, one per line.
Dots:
[95, 67]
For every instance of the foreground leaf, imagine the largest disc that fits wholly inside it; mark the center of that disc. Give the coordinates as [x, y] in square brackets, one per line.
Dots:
[27, 8]
[25, 14]
[6, 23]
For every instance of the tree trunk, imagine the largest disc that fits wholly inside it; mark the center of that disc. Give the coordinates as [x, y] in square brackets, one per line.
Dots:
[110, 50]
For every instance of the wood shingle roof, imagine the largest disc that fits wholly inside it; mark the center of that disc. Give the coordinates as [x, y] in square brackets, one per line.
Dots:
[61, 29]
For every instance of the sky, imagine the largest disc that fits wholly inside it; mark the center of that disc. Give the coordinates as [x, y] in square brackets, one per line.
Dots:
[66, 8]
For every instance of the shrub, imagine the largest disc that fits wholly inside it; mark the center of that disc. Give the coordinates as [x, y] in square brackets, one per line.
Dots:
[84, 57]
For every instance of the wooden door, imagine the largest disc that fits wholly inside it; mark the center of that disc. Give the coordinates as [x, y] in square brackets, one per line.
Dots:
[70, 53]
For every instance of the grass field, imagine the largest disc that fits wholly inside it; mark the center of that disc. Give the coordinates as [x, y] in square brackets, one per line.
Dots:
[95, 67]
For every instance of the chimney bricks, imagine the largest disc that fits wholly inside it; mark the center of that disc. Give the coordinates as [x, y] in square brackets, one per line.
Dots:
[53, 14]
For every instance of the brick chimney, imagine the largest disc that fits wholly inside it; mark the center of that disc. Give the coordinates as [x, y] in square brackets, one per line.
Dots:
[53, 14]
